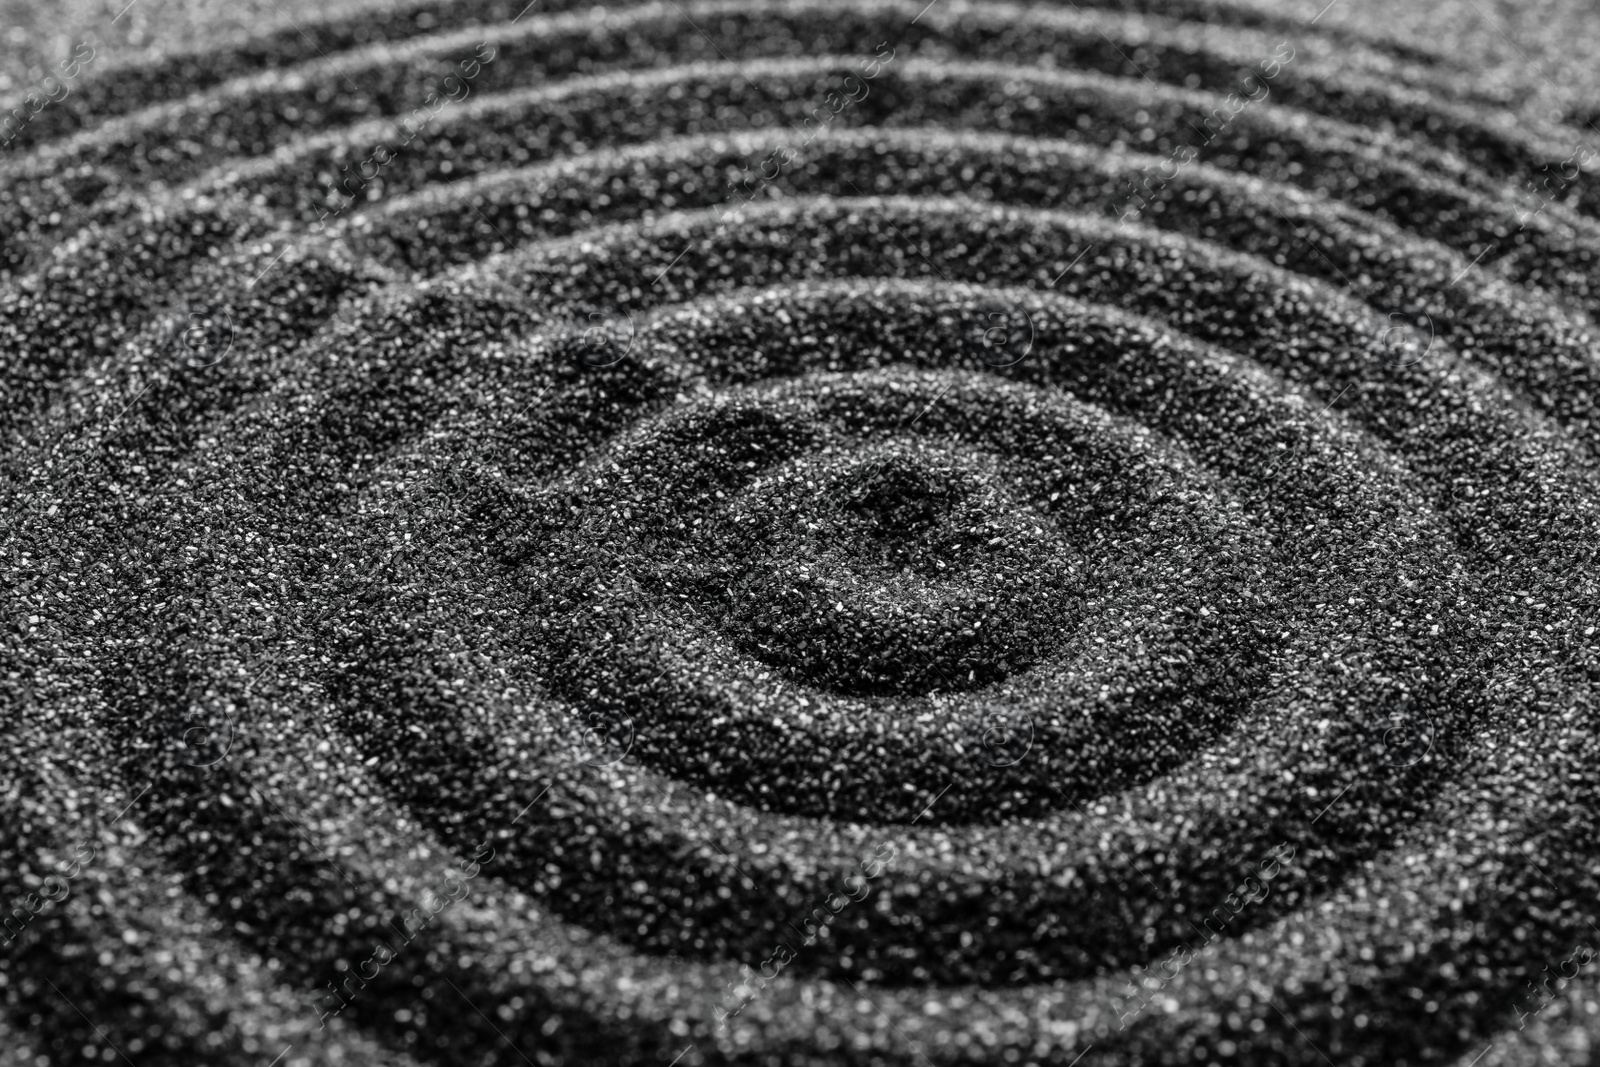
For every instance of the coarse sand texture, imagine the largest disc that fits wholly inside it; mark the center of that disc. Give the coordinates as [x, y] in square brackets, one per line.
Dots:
[799, 532]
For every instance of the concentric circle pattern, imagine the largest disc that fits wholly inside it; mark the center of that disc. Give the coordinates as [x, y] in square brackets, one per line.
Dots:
[799, 532]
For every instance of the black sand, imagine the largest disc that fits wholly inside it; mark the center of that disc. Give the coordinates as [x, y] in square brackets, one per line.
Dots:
[546, 609]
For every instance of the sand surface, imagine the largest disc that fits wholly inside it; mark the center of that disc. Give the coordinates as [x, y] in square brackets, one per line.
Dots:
[785, 532]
